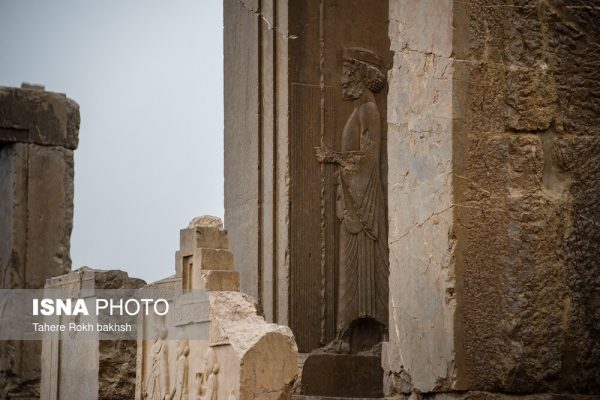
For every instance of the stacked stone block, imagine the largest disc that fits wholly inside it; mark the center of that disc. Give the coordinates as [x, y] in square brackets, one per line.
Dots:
[38, 134]
[204, 259]
[493, 139]
[218, 345]
[74, 369]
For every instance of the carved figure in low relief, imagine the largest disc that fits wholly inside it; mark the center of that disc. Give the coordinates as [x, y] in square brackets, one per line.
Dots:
[158, 378]
[207, 384]
[363, 252]
[180, 388]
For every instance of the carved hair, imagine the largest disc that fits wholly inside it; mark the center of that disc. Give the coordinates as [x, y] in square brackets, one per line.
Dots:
[374, 78]
[372, 75]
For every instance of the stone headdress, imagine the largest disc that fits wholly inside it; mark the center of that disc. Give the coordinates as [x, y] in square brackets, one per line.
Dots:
[370, 66]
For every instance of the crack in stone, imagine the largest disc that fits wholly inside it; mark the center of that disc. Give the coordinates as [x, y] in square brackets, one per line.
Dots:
[420, 224]
[270, 25]
[413, 189]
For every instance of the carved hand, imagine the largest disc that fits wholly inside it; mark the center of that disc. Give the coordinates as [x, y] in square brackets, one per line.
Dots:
[326, 155]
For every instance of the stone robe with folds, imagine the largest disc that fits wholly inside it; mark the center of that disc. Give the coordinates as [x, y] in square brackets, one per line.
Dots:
[363, 267]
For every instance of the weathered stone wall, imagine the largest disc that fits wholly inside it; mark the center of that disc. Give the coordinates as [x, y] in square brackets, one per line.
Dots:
[527, 168]
[283, 98]
[493, 142]
[213, 345]
[242, 134]
[38, 134]
[76, 368]
[422, 301]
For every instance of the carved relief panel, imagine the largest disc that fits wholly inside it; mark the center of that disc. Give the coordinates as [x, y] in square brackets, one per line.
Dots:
[338, 267]
[283, 99]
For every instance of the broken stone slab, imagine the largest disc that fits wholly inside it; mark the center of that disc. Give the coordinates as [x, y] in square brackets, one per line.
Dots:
[267, 353]
[87, 369]
[32, 115]
[239, 356]
[214, 345]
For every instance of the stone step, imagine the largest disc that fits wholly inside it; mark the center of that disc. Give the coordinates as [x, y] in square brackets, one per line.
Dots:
[327, 375]
[304, 397]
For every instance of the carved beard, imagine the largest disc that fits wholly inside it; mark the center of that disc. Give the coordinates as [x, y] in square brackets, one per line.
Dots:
[353, 91]
[352, 82]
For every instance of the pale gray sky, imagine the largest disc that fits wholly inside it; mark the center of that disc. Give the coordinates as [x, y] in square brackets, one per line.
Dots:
[148, 76]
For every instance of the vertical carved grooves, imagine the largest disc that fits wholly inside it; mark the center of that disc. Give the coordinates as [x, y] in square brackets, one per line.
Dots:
[305, 227]
[259, 265]
[23, 282]
[275, 193]
[24, 272]
[323, 169]
[330, 231]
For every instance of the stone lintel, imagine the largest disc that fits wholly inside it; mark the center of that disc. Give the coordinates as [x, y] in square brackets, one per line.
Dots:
[32, 115]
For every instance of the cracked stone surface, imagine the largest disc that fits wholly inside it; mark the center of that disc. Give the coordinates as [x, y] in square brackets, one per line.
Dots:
[38, 136]
[88, 369]
[493, 149]
[232, 352]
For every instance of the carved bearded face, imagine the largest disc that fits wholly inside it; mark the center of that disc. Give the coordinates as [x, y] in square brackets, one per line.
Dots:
[352, 80]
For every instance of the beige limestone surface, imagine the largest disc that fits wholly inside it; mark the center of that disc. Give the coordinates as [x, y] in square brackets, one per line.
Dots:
[216, 345]
[87, 369]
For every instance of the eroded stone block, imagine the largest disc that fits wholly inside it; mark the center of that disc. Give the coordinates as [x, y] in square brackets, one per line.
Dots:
[213, 259]
[219, 280]
[38, 133]
[492, 170]
[237, 356]
[49, 119]
[202, 237]
[88, 369]
[204, 247]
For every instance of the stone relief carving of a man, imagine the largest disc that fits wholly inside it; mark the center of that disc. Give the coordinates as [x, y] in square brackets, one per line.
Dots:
[207, 384]
[158, 380]
[180, 387]
[363, 253]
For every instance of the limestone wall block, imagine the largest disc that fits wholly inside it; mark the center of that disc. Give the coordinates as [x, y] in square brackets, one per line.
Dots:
[33, 115]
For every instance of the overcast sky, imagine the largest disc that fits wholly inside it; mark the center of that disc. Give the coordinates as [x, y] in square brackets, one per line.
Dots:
[148, 76]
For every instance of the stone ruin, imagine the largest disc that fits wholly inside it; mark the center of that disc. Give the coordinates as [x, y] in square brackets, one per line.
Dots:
[234, 353]
[410, 186]
[38, 134]
[485, 129]
[87, 369]
[215, 346]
